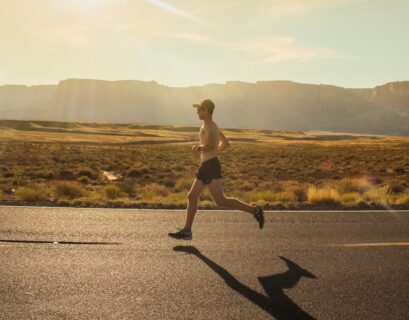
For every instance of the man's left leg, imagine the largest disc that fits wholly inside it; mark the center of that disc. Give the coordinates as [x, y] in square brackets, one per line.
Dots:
[216, 190]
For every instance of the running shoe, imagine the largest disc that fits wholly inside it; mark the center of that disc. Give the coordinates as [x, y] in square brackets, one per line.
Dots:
[259, 216]
[181, 234]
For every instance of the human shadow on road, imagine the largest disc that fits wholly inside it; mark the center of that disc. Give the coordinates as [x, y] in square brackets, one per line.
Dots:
[276, 303]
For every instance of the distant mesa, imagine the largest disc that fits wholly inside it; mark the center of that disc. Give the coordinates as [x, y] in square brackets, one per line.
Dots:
[267, 105]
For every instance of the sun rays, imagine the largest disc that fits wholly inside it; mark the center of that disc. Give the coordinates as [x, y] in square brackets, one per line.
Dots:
[176, 11]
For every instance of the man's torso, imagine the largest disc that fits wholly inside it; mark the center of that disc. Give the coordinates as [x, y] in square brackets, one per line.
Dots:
[206, 155]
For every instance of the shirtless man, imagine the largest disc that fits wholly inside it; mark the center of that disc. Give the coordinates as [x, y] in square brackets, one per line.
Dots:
[212, 140]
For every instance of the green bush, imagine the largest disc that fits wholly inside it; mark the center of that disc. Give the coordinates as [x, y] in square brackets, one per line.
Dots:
[351, 199]
[70, 189]
[285, 196]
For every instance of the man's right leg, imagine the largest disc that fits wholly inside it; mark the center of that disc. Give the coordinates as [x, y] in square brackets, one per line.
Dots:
[193, 199]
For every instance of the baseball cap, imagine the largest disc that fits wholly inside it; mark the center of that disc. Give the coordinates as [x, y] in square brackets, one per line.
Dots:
[205, 103]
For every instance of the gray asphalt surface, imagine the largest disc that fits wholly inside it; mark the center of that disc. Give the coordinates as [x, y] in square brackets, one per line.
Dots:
[121, 264]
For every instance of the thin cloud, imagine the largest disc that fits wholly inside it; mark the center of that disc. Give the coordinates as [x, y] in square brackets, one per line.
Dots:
[263, 50]
[288, 7]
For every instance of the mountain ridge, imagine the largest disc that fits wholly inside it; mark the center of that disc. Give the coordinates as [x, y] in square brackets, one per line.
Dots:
[275, 104]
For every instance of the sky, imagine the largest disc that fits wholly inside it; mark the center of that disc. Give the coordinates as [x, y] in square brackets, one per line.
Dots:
[180, 43]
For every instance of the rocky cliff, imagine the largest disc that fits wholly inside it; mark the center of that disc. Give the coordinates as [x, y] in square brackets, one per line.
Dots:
[280, 105]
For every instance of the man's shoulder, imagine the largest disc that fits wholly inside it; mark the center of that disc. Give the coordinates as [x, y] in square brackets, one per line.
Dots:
[212, 125]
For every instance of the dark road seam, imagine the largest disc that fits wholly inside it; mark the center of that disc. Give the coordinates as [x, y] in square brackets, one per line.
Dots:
[58, 242]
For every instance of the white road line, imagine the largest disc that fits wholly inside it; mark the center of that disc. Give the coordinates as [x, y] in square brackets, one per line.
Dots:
[373, 244]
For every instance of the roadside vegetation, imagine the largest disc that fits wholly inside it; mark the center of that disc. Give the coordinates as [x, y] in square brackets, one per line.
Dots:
[279, 172]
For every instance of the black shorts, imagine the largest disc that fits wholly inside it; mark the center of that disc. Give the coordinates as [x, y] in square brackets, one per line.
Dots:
[209, 170]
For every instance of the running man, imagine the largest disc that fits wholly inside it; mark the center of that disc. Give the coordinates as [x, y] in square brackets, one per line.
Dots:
[212, 140]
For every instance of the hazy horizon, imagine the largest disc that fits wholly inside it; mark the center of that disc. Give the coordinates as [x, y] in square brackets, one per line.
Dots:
[197, 85]
[352, 44]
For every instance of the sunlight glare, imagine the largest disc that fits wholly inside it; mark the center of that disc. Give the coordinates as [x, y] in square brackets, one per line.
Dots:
[81, 4]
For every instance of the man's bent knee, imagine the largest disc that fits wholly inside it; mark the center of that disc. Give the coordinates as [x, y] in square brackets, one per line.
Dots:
[221, 202]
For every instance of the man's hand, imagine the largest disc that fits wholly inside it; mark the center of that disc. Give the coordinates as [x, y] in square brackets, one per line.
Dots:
[195, 147]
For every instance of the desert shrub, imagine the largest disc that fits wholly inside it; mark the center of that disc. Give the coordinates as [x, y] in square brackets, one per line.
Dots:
[378, 196]
[206, 196]
[351, 199]
[84, 180]
[8, 174]
[324, 195]
[350, 185]
[137, 172]
[395, 187]
[404, 199]
[170, 183]
[87, 172]
[28, 194]
[253, 196]
[300, 193]
[179, 167]
[285, 196]
[44, 174]
[66, 174]
[70, 189]
[277, 187]
[399, 170]
[127, 186]
[157, 189]
[245, 185]
[183, 184]
[112, 191]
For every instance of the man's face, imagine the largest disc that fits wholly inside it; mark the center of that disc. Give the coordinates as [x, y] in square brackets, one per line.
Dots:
[203, 113]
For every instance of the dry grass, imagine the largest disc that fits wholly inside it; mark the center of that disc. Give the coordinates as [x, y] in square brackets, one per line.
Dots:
[350, 185]
[351, 199]
[113, 191]
[378, 195]
[285, 169]
[68, 189]
[324, 195]
[404, 199]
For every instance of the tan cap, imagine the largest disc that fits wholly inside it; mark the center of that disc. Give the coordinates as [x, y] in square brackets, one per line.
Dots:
[205, 103]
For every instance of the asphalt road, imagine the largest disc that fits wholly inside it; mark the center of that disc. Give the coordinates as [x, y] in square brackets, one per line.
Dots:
[70, 263]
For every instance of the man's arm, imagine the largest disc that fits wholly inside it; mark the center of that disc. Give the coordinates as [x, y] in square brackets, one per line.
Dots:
[224, 143]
